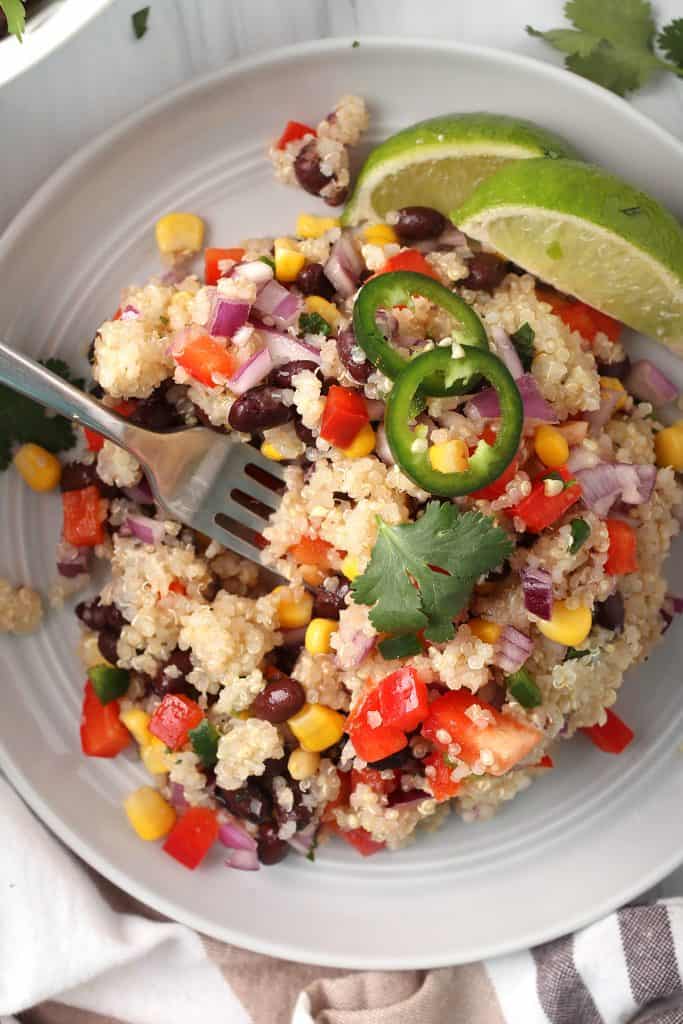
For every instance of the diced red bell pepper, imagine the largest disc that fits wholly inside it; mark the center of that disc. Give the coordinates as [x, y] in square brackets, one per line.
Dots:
[312, 551]
[95, 441]
[374, 779]
[545, 762]
[506, 739]
[578, 316]
[293, 130]
[403, 700]
[373, 744]
[212, 257]
[103, 734]
[621, 554]
[439, 781]
[408, 259]
[204, 357]
[84, 515]
[344, 416]
[612, 737]
[539, 510]
[173, 719]
[497, 486]
[177, 587]
[192, 836]
[342, 799]
[361, 841]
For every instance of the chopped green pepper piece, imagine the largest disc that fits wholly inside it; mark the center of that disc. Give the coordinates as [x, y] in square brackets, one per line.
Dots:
[400, 646]
[572, 654]
[580, 534]
[488, 461]
[524, 689]
[523, 340]
[397, 289]
[204, 739]
[109, 683]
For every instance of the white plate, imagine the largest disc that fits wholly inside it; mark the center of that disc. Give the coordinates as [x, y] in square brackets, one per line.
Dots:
[589, 836]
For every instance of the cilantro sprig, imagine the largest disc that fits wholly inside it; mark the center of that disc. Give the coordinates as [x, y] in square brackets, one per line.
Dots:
[139, 20]
[523, 340]
[15, 13]
[612, 43]
[23, 420]
[313, 323]
[421, 574]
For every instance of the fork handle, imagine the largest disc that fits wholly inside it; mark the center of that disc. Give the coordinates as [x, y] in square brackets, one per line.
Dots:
[30, 378]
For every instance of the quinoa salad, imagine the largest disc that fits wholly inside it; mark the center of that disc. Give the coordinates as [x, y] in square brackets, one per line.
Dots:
[479, 501]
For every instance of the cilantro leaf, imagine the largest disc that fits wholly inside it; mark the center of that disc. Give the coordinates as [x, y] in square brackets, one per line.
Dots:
[23, 420]
[580, 534]
[523, 340]
[15, 13]
[139, 20]
[670, 40]
[421, 574]
[621, 21]
[313, 323]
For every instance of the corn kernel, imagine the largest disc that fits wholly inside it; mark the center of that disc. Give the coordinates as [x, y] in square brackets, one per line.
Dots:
[242, 715]
[568, 626]
[293, 612]
[89, 651]
[350, 567]
[449, 457]
[380, 234]
[312, 575]
[150, 815]
[302, 764]
[551, 446]
[325, 309]
[487, 631]
[153, 756]
[288, 264]
[136, 721]
[40, 469]
[317, 727]
[309, 226]
[179, 233]
[271, 452]
[669, 446]
[362, 444]
[318, 634]
[285, 243]
[614, 384]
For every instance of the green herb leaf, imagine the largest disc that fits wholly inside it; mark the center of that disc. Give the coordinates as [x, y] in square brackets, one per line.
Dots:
[204, 739]
[313, 323]
[15, 13]
[355, 44]
[400, 646]
[140, 19]
[556, 475]
[268, 262]
[572, 654]
[612, 42]
[670, 40]
[524, 689]
[421, 574]
[23, 420]
[523, 340]
[580, 534]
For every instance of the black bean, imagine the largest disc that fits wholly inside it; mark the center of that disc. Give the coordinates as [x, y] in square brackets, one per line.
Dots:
[273, 766]
[619, 370]
[281, 699]
[610, 613]
[299, 813]
[285, 658]
[397, 760]
[327, 604]
[249, 802]
[155, 413]
[281, 377]
[271, 849]
[107, 641]
[307, 169]
[347, 348]
[417, 222]
[486, 271]
[78, 475]
[259, 409]
[303, 433]
[210, 590]
[311, 280]
[100, 616]
[175, 681]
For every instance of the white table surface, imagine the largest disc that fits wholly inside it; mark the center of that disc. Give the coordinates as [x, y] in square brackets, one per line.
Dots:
[104, 73]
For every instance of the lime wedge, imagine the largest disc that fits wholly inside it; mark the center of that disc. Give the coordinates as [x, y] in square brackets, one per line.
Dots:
[587, 233]
[439, 162]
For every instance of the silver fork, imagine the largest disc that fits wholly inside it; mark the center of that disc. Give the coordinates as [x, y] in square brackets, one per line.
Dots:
[209, 481]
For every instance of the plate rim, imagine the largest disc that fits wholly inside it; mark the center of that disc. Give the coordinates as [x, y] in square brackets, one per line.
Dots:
[30, 211]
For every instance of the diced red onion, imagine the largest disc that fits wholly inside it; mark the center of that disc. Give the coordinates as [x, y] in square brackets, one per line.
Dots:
[637, 482]
[606, 482]
[72, 561]
[537, 585]
[599, 417]
[178, 796]
[486, 403]
[140, 493]
[387, 323]
[382, 449]
[344, 267]
[407, 798]
[375, 407]
[676, 603]
[251, 373]
[235, 837]
[512, 650]
[647, 383]
[452, 236]
[277, 302]
[356, 647]
[507, 352]
[581, 458]
[284, 348]
[227, 316]
[304, 840]
[257, 271]
[149, 531]
[130, 313]
[244, 860]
